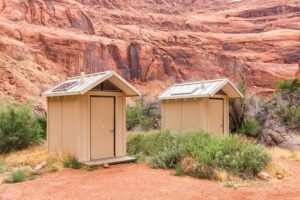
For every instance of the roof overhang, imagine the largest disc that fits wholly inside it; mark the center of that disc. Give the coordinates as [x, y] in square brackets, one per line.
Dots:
[212, 87]
[91, 81]
[230, 89]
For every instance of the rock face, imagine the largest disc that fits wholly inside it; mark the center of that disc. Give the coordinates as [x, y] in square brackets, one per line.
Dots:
[150, 43]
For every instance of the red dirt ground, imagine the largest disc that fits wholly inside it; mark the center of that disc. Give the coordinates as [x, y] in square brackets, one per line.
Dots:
[138, 181]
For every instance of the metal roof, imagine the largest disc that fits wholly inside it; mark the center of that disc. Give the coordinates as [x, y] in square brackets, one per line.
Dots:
[207, 88]
[88, 82]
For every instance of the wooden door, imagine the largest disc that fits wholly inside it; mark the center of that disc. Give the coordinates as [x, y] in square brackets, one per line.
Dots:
[216, 116]
[102, 127]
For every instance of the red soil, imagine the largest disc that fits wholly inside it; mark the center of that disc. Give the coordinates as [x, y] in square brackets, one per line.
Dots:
[138, 181]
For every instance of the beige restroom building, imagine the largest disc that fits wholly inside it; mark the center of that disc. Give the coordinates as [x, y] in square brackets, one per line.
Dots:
[87, 114]
[201, 105]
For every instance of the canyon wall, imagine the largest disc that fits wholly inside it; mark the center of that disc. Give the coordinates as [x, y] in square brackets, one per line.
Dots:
[150, 43]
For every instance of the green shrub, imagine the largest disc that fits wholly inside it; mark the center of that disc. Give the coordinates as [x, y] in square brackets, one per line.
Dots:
[179, 170]
[202, 171]
[241, 158]
[237, 108]
[18, 127]
[16, 177]
[72, 162]
[290, 115]
[42, 121]
[290, 85]
[165, 150]
[148, 144]
[132, 117]
[167, 158]
[287, 102]
[143, 114]
[250, 127]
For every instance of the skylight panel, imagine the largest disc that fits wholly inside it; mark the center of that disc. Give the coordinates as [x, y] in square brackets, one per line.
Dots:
[65, 86]
[184, 89]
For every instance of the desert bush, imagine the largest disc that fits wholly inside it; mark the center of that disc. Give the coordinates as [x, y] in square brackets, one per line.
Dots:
[167, 158]
[166, 150]
[72, 162]
[16, 177]
[237, 109]
[179, 170]
[290, 115]
[202, 171]
[241, 158]
[18, 127]
[149, 144]
[144, 115]
[193, 168]
[42, 121]
[290, 85]
[250, 127]
[132, 117]
[287, 100]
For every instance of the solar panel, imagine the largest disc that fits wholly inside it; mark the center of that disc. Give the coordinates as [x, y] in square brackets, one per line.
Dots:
[65, 86]
[185, 89]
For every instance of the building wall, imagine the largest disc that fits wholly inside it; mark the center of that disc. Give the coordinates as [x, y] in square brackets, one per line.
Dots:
[69, 124]
[54, 134]
[183, 114]
[189, 114]
[226, 116]
[64, 124]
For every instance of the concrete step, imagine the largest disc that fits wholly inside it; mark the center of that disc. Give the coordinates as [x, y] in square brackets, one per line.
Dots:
[112, 161]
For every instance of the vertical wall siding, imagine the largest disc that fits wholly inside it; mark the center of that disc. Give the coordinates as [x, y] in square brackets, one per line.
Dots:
[84, 133]
[172, 115]
[190, 114]
[119, 137]
[70, 124]
[184, 114]
[54, 124]
[226, 116]
[203, 108]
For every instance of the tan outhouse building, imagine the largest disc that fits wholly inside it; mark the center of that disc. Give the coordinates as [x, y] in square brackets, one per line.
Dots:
[86, 116]
[201, 105]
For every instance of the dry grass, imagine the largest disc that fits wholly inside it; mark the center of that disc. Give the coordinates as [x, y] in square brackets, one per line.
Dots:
[28, 159]
[221, 175]
[189, 164]
[32, 156]
[277, 170]
[283, 153]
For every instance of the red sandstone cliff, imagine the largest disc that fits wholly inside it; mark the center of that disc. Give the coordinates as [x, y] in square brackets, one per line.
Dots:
[152, 43]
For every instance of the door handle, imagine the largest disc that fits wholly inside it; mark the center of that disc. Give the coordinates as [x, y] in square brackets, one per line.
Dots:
[112, 131]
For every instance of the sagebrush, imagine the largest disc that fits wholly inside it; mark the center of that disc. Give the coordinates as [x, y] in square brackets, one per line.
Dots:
[19, 127]
[143, 115]
[166, 150]
[16, 177]
[250, 127]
